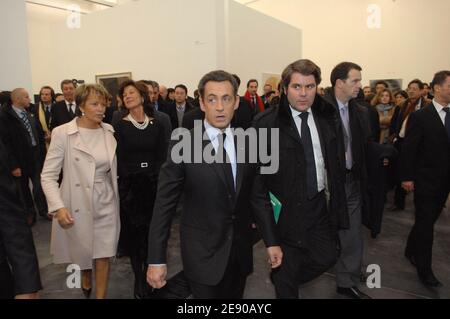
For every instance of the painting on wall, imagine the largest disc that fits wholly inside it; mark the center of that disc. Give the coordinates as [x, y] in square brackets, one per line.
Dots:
[113, 81]
[272, 79]
[395, 85]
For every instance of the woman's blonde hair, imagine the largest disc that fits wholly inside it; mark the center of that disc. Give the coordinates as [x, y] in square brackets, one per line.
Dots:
[84, 91]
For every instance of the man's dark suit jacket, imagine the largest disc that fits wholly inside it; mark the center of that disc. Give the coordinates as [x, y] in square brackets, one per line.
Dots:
[60, 115]
[425, 154]
[289, 183]
[17, 141]
[214, 217]
[171, 110]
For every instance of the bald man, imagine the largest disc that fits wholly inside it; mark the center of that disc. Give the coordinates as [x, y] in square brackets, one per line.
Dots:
[24, 141]
[163, 92]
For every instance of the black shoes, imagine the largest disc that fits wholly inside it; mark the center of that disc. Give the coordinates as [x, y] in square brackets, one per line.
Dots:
[352, 292]
[87, 292]
[430, 280]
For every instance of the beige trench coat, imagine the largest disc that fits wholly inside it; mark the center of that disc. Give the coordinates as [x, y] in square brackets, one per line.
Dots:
[67, 151]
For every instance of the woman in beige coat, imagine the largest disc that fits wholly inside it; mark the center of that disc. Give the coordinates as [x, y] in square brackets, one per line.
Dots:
[86, 223]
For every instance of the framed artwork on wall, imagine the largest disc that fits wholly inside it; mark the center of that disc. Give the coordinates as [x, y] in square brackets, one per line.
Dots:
[113, 81]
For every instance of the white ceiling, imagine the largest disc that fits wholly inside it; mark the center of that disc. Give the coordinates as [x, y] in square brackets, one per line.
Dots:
[85, 6]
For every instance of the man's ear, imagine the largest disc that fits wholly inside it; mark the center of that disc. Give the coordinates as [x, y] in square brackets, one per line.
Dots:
[202, 106]
[238, 100]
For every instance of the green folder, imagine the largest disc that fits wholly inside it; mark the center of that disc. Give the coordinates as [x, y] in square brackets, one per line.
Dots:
[276, 205]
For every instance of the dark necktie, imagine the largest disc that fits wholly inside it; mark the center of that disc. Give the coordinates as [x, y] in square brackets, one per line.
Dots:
[254, 102]
[447, 121]
[26, 122]
[226, 160]
[311, 174]
[47, 114]
[71, 113]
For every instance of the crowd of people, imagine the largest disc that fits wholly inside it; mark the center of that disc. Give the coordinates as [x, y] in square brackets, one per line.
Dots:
[101, 169]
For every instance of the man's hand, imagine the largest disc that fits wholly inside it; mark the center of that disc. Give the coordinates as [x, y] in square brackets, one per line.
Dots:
[17, 172]
[64, 218]
[275, 256]
[408, 186]
[156, 276]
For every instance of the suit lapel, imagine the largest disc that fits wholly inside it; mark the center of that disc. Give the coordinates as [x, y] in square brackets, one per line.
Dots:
[437, 122]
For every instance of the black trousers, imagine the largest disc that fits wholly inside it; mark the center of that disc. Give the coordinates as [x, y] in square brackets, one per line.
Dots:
[420, 240]
[231, 286]
[38, 197]
[17, 247]
[303, 264]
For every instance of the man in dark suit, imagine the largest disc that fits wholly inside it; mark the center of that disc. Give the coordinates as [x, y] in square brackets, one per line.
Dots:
[425, 169]
[64, 111]
[43, 112]
[354, 136]
[215, 240]
[307, 179]
[24, 140]
[16, 240]
[179, 108]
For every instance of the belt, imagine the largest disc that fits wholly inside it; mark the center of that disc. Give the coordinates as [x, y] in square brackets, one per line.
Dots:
[139, 165]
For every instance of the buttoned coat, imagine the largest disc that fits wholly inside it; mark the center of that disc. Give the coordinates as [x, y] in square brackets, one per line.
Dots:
[68, 152]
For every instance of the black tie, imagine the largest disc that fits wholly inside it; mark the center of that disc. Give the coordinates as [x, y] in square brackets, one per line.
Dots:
[71, 113]
[311, 175]
[226, 160]
[47, 114]
[447, 121]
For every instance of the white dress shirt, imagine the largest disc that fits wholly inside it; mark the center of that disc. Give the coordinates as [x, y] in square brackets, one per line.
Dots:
[318, 157]
[74, 106]
[440, 109]
[213, 133]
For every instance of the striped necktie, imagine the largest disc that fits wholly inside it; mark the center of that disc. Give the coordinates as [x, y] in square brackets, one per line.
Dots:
[26, 122]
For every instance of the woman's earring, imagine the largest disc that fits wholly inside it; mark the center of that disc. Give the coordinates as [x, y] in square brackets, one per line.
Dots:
[82, 113]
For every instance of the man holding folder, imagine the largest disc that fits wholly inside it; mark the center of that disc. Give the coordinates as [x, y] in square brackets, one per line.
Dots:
[307, 186]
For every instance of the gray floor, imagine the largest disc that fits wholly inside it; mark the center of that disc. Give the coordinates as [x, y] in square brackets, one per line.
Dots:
[398, 277]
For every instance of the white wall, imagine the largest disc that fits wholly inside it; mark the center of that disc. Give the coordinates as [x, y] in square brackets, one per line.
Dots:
[260, 44]
[171, 41]
[412, 41]
[15, 70]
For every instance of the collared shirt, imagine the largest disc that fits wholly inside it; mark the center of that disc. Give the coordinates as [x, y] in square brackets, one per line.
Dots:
[213, 133]
[440, 109]
[74, 106]
[18, 111]
[180, 113]
[345, 119]
[318, 156]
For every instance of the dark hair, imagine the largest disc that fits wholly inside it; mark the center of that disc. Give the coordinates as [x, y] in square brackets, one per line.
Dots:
[52, 92]
[65, 82]
[402, 93]
[182, 86]
[153, 84]
[341, 71]
[238, 79]
[217, 76]
[143, 92]
[386, 85]
[304, 67]
[418, 82]
[5, 98]
[58, 95]
[252, 81]
[439, 78]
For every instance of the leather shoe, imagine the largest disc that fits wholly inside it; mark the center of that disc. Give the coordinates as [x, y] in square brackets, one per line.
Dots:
[411, 258]
[87, 292]
[352, 292]
[430, 280]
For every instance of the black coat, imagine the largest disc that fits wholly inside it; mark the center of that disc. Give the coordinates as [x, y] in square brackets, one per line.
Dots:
[361, 138]
[425, 154]
[17, 141]
[171, 110]
[213, 218]
[10, 198]
[60, 115]
[289, 183]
